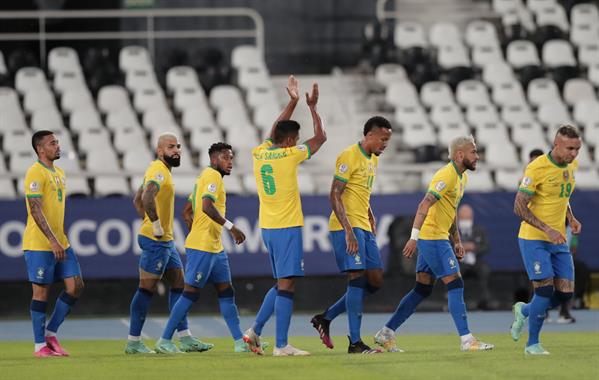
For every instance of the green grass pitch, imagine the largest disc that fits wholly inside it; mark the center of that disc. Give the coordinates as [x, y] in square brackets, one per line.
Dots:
[574, 356]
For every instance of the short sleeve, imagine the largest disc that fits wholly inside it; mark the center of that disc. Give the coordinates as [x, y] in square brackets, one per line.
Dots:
[266, 144]
[156, 176]
[301, 152]
[343, 167]
[442, 181]
[34, 184]
[210, 185]
[530, 181]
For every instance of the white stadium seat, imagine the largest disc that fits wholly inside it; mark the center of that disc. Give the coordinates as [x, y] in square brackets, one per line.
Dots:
[194, 118]
[112, 98]
[38, 99]
[190, 98]
[584, 34]
[588, 54]
[584, 14]
[445, 34]
[76, 98]
[524, 133]
[84, 119]
[401, 94]
[558, 53]
[111, 185]
[388, 73]
[508, 179]
[492, 133]
[410, 115]
[471, 93]
[481, 33]
[92, 140]
[12, 119]
[16, 141]
[30, 78]
[538, 5]
[542, 90]
[136, 159]
[577, 89]
[553, 113]
[498, 72]
[436, 93]
[586, 112]
[553, 15]
[61, 59]
[225, 95]
[453, 56]
[7, 189]
[484, 55]
[180, 77]
[480, 181]
[587, 179]
[501, 155]
[409, 34]
[508, 93]
[251, 77]
[148, 98]
[128, 138]
[522, 53]
[481, 114]
[449, 131]
[68, 80]
[137, 80]
[20, 161]
[416, 135]
[122, 118]
[446, 114]
[246, 56]
[134, 58]
[46, 118]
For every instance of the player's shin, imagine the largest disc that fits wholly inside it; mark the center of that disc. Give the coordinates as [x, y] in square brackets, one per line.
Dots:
[178, 313]
[228, 309]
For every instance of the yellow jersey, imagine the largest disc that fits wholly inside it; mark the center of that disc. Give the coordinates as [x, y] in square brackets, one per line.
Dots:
[358, 170]
[159, 174]
[205, 234]
[275, 170]
[551, 186]
[49, 185]
[448, 187]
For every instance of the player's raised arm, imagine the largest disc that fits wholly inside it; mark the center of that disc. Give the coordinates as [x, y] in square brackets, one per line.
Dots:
[320, 137]
[337, 188]
[521, 209]
[35, 205]
[148, 199]
[293, 91]
[187, 214]
[574, 223]
[209, 209]
[137, 203]
[423, 207]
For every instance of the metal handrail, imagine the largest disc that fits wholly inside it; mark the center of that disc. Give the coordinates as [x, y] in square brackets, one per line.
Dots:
[150, 34]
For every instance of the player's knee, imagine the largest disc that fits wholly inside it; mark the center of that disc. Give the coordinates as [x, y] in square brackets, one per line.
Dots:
[544, 291]
[455, 284]
[75, 289]
[227, 292]
[372, 288]
[359, 282]
[192, 296]
[562, 297]
[424, 290]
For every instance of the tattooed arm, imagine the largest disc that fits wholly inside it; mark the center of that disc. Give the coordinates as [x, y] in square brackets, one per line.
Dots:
[454, 235]
[421, 213]
[148, 200]
[337, 189]
[521, 209]
[35, 206]
[574, 223]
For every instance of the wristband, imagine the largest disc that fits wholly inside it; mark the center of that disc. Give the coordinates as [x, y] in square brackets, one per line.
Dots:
[414, 234]
[228, 224]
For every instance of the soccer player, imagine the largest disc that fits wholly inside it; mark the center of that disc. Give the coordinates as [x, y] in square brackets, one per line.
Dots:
[543, 204]
[352, 231]
[275, 167]
[207, 262]
[434, 225]
[48, 256]
[155, 203]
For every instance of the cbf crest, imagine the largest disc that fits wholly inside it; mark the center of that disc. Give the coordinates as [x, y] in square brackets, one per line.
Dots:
[566, 176]
[537, 267]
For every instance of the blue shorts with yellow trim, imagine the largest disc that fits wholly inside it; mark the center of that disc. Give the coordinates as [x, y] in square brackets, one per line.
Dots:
[42, 267]
[543, 259]
[286, 251]
[158, 256]
[368, 256]
[203, 267]
[436, 257]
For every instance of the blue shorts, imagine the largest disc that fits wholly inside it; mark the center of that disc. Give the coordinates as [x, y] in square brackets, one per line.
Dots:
[543, 259]
[42, 267]
[158, 256]
[203, 267]
[286, 251]
[436, 257]
[368, 256]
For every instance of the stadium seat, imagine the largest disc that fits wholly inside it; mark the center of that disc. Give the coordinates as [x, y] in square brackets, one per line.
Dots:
[524, 133]
[30, 78]
[506, 6]
[591, 137]
[46, 118]
[111, 185]
[471, 93]
[194, 118]
[9, 99]
[481, 114]
[522, 53]
[134, 58]
[588, 54]
[410, 34]
[224, 96]
[112, 98]
[587, 179]
[77, 186]
[406, 115]
[445, 34]
[526, 149]
[258, 96]
[68, 80]
[480, 181]
[122, 118]
[492, 133]
[484, 55]
[449, 131]
[12, 119]
[305, 183]
[83, 119]
[481, 33]
[181, 77]
[586, 111]
[7, 189]
[542, 90]
[249, 183]
[553, 15]
[593, 74]
[446, 114]
[498, 72]
[93, 140]
[202, 137]
[417, 135]
[508, 179]
[137, 80]
[185, 183]
[453, 56]
[38, 99]
[436, 93]
[136, 159]
[21, 160]
[246, 56]
[538, 5]
[584, 34]
[584, 157]
[585, 13]
[190, 98]
[230, 117]
[558, 53]
[501, 155]
[75, 99]
[128, 138]
[148, 98]
[233, 184]
[388, 73]
[402, 94]
[69, 162]
[553, 113]
[156, 118]
[102, 161]
[265, 115]
[61, 59]
[251, 77]
[578, 89]
[508, 93]
[16, 141]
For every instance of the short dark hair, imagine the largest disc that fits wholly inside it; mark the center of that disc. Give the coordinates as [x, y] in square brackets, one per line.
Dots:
[218, 147]
[535, 153]
[569, 131]
[376, 122]
[284, 129]
[37, 137]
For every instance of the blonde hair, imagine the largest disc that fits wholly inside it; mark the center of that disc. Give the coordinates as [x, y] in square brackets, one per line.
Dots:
[458, 143]
[164, 136]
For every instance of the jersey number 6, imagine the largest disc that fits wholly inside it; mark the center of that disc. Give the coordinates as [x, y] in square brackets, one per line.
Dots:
[268, 180]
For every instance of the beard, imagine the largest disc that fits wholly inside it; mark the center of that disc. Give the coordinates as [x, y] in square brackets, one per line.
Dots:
[173, 161]
[470, 165]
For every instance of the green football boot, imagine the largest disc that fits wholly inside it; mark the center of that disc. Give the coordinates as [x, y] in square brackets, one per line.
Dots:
[519, 319]
[535, 349]
[137, 347]
[191, 344]
[164, 346]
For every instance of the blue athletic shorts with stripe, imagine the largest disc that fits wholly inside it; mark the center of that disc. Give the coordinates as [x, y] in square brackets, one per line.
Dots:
[286, 251]
[158, 256]
[203, 267]
[543, 259]
[42, 267]
[368, 256]
[437, 258]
